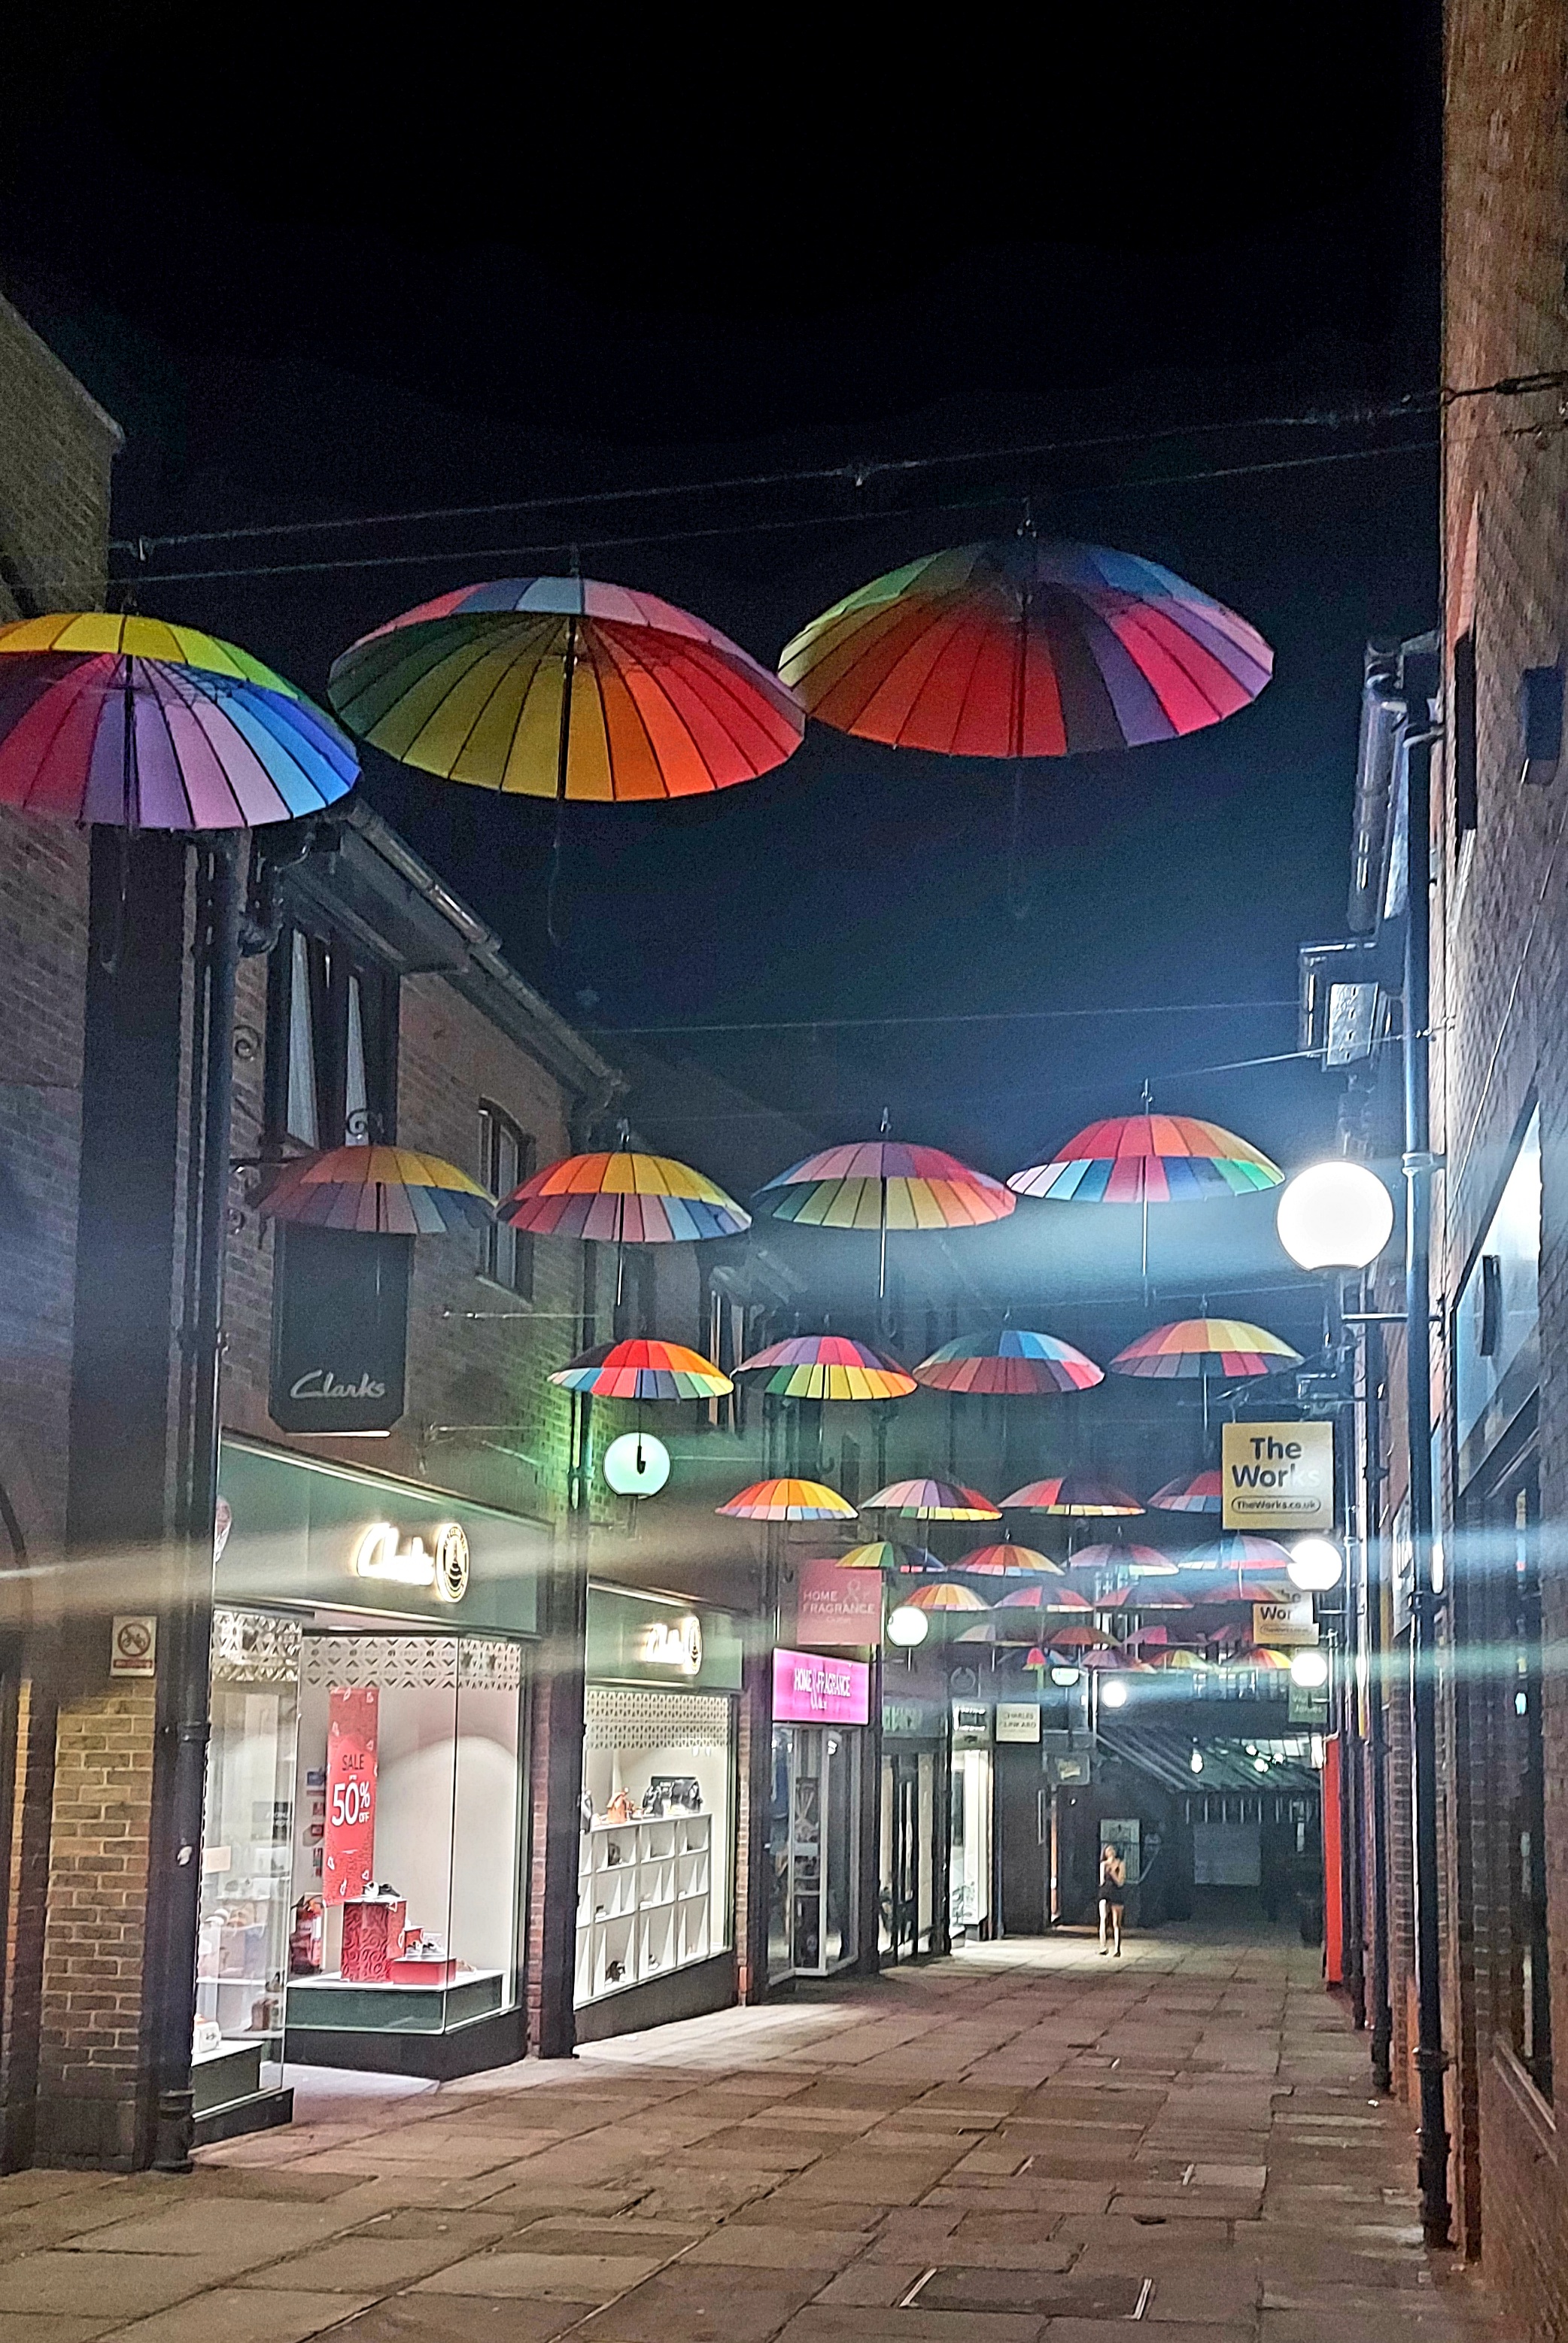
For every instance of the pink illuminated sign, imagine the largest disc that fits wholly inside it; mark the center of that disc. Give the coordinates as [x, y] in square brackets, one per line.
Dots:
[809, 1689]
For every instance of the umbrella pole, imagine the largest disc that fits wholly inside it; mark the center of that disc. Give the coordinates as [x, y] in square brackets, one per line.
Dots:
[563, 749]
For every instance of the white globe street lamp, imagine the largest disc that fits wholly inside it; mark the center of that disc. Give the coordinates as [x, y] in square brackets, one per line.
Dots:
[1334, 1215]
[1315, 1564]
[907, 1626]
[1063, 1675]
[635, 1464]
[1309, 1669]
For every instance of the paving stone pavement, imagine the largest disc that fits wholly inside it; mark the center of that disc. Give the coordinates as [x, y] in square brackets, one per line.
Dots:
[1024, 2144]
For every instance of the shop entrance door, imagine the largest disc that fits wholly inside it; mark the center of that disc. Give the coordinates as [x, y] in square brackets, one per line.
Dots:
[907, 1854]
[814, 1843]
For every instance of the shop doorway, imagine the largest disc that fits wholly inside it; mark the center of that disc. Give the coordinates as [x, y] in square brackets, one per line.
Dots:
[814, 1846]
[969, 1884]
[907, 1916]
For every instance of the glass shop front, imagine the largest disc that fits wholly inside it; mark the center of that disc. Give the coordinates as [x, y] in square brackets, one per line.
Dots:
[656, 1866]
[362, 1859]
[822, 1705]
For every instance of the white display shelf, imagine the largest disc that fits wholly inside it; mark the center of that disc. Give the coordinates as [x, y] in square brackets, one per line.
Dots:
[643, 1896]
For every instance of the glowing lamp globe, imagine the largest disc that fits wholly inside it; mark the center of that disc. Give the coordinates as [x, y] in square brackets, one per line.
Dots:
[1113, 1695]
[1334, 1215]
[907, 1626]
[1309, 1669]
[1315, 1564]
[635, 1464]
[1064, 1675]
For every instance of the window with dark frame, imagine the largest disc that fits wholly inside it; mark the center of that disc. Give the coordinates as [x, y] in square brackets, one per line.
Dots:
[506, 1156]
[1466, 787]
[1510, 1550]
[331, 1073]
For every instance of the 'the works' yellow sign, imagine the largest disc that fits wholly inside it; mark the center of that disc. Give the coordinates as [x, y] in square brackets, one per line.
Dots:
[1278, 1476]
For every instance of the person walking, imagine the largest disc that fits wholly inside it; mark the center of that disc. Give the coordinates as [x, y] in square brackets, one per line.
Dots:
[1113, 1897]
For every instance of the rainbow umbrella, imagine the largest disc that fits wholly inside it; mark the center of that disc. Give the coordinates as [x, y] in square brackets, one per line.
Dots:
[107, 718]
[945, 1595]
[1225, 1348]
[565, 688]
[1044, 1598]
[1200, 1494]
[883, 1184]
[1158, 1594]
[1262, 1662]
[1026, 647]
[1075, 1494]
[623, 1198]
[881, 1553]
[1005, 1561]
[378, 1192]
[827, 1367]
[788, 1501]
[1081, 1637]
[1149, 1159]
[1142, 1561]
[1193, 1662]
[1237, 1550]
[1015, 1364]
[643, 1370]
[932, 1501]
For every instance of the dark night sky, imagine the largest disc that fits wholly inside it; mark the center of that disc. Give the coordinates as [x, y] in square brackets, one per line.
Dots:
[359, 272]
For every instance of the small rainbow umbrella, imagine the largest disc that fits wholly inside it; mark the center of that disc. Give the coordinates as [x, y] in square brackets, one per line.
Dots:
[1005, 1561]
[643, 1370]
[881, 1553]
[1152, 1595]
[827, 1367]
[1227, 1349]
[932, 1501]
[1262, 1662]
[1044, 1598]
[1076, 1494]
[1237, 1550]
[1081, 1638]
[378, 1192]
[1194, 1662]
[1026, 647]
[1201, 1494]
[883, 1184]
[1149, 1159]
[1014, 1364]
[125, 720]
[788, 1501]
[945, 1595]
[1142, 1561]
[623, 1198]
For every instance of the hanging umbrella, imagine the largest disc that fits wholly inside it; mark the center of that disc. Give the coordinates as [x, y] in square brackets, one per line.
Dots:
[1044, 1598]
[1153, 1595]
[472, 687]
[1075, 1494]
[1200, 1494]
[883, 1184]
[945, 1595]
[788, 1501]
[1142, 1561]
[1151, 1639]
[1262, 1662]
[1080, 1636]
[623, 1198]
[932, 1501]
[1237, 1550]
[1149, 1159]
[1026, 647]
[1227, 1349]
[643, 1370]
[378, 1192]
[1014, 1364]
[881, 1553]
[1192, 1660]
[827, 1367]
[125, 720]
[1005, 1561]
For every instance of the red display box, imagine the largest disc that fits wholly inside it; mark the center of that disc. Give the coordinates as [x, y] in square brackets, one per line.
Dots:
[372, 1940]
[414, 1971]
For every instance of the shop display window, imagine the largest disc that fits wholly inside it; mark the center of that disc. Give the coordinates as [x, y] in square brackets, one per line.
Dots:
[654, 1864]
[969, 1842]
[406, 1838]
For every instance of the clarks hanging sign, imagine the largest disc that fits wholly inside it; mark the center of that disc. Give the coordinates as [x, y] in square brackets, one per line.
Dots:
[340, 1330]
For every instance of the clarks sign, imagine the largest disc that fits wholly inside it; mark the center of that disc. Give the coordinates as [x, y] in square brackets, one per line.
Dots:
[340, 1331]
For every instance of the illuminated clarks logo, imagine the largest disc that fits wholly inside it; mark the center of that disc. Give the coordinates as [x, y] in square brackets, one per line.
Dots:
[380, 1552]
[677, 1643]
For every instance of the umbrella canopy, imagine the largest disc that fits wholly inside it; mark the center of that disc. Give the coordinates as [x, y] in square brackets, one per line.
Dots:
[1149, 1159]
[623, 1198]
[1237, 1550]
[108, 717]
[1075, 1494]
[1006, 1561]
[1201, 1494]
[1014, 1364]
[881, 1553]
[1225, 1348]
[945, 1595]
[933, 1501]
[378, 1192]
[474, 687]
[1080, 1636]
[1263, 1662]
[1142, 1561]
[1026, 647]
[1044, 1598]
[827, 1366]
[882, 1183]
[643, 1370]
[1152, 1595]
[1179, 1659]
[788, 1501]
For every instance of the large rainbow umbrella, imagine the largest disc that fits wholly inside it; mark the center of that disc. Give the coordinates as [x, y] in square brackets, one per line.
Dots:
[1237, 1550]
[945, 1595]
[643, 1370]
[933, 1501]
[1044, 1598]
[474, 687]
[1203, 1494]
[828, 1367]
[378, 1192]
[882, 1184]
[1227, 1349]
[1005, 1561]
[622, 1197]
[1142, 1561]
[1076, 1494]
[128, 721]
[881, 1553]
[1149, 1159]
[1026, 647]
[1014, 1364]
[788, 1501]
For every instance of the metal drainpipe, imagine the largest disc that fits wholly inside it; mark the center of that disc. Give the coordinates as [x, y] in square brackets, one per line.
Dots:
[1430, 2060]
[1380, 2011]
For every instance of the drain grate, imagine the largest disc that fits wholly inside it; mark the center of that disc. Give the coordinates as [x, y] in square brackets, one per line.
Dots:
[1046, 2295]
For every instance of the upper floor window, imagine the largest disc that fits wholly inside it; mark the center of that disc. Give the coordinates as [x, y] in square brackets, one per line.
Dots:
[1466, 785]
[332, 1044]
[505, 1161]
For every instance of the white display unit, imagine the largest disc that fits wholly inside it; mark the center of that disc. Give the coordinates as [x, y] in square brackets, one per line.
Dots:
[644, 1898]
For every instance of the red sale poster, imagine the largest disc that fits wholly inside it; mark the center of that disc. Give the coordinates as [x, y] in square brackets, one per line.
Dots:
[348, 1844]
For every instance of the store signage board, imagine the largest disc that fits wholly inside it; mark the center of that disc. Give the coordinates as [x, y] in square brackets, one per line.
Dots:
[1278, 1476]
[834, 1605]
[1276, 1624]
[673, 1643]
[348, 1841]
[1017, 1720]
[340, 1330]
[808, 1689]
[634, 1638]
